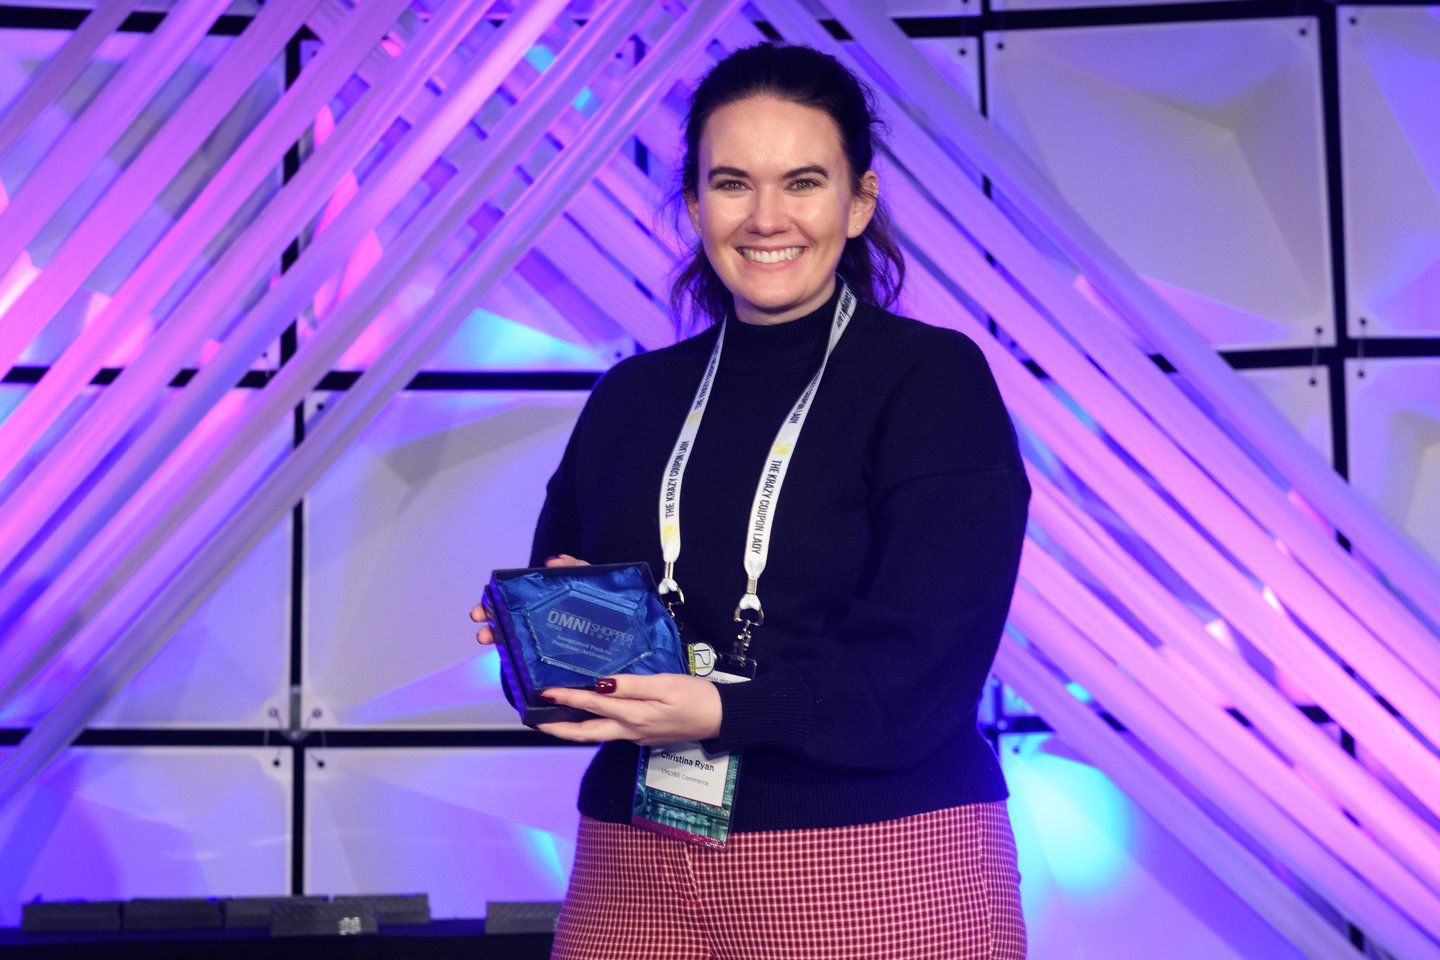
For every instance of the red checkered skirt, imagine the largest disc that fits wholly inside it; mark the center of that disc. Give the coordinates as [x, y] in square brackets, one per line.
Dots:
[935, 886]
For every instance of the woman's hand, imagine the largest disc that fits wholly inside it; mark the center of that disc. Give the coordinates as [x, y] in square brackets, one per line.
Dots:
[477, 613]
[656, 709]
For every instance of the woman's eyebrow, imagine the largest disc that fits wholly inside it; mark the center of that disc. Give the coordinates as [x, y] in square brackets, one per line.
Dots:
[813, 168]
[728, 172]
[809, 168]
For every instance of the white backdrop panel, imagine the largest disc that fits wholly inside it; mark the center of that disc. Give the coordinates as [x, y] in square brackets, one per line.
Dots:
[116, 823]
[1100, 878]
[1394, 432]
[402, 535]
[958, 59]
[1306, 405]
[1196, 151]
[226, 666]
[464, 826]
[1390, 161]
[517, 329]
[229, 664]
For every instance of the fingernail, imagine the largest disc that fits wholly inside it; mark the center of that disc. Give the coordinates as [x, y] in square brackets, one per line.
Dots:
[545, 695]
[605, 685]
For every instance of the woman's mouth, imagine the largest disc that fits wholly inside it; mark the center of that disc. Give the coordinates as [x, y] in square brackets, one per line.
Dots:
[771, 256]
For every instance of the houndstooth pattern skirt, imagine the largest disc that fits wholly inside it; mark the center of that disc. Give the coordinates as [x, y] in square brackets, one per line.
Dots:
[935, 886]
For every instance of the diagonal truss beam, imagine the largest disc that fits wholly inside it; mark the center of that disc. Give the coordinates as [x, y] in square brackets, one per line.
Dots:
[139, 628]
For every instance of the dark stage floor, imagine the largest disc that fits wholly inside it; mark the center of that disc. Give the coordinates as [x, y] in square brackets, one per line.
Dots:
[441, 940]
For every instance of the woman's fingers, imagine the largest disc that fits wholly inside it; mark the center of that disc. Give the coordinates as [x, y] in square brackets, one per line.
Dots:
[484, 635]
[659, 708]
[585, 731]
[565, 560]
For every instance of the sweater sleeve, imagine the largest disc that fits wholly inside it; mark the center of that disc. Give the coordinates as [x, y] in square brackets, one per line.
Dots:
[901, 673]
[557, 529]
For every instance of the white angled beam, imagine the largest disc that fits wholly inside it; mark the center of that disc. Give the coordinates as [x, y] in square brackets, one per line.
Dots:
[198, 318]
[198, 228]
[150, 172]
[86, 142]
[1272, 716]
[138, 636]
[55, 77]
[925, 90]
[1231, 861]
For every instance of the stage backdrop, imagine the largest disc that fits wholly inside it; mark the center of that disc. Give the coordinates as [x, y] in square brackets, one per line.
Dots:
[298, 303]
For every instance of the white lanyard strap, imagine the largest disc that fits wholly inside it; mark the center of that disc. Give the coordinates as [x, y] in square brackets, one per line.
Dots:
[675, 476]
[767, 491]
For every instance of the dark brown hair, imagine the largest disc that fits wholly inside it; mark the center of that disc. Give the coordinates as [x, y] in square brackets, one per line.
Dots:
[871, 263]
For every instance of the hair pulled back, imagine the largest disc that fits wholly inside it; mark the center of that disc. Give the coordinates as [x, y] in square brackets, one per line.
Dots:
[871, 263]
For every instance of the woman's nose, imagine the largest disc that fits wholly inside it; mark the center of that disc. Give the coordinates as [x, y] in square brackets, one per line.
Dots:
[767, 214]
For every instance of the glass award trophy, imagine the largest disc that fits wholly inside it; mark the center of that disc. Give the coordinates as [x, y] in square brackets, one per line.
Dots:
[569, 626]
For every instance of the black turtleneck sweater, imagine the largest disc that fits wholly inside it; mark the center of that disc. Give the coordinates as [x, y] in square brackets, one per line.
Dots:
[895, 543]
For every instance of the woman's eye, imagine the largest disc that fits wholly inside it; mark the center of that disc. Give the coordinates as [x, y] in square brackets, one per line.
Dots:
[729, 185]
[805, 183]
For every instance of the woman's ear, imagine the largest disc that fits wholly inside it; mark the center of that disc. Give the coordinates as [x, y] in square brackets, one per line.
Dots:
[862, 204]
[692, 206]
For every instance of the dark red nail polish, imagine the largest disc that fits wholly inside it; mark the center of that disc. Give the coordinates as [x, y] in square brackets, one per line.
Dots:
[545, 695]
[605, 685]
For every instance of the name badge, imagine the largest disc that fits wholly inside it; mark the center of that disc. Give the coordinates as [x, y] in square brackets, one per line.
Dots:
[683, 790]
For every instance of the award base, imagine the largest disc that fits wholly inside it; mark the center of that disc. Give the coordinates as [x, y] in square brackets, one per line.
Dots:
[570, 626]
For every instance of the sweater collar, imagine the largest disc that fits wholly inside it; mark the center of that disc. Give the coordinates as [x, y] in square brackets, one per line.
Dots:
[803, 338]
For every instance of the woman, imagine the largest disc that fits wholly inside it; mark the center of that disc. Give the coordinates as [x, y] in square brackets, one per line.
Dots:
[868, 812]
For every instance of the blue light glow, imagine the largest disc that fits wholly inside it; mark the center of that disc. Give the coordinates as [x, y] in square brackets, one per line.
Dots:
[540, 57]
[491, 340]
[1082, 822]
[485, 669]
[10, 398]
[547, 856]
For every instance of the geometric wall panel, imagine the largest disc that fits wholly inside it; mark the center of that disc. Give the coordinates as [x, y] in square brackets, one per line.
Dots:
[1101, 878]
[402, 534]
[1195, 151]
[517, 330]
[1390, 143]
[227, 666]
[1394, 429]
[958, 60]
[1304, 404]
[115, 823]
[464, 826]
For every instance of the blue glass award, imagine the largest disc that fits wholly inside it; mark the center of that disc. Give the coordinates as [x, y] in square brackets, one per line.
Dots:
[569, 626]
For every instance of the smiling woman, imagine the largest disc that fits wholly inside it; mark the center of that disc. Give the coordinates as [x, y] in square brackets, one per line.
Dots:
[768, 126]
[775, 205]
[854, 505]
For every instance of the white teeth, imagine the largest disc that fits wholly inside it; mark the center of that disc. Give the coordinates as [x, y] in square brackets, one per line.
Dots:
[770, 256]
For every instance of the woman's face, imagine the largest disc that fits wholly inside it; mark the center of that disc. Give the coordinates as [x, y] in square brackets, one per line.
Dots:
[773, 205]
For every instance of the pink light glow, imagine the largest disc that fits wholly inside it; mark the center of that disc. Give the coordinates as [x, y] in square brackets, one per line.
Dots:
[20, 275]
[22, 272]
[367, 253]
[1271, 599]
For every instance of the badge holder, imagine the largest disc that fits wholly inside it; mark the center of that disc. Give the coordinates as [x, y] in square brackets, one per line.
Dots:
[684, 790]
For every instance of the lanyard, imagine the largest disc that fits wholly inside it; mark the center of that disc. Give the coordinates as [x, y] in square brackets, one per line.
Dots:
[748, 612]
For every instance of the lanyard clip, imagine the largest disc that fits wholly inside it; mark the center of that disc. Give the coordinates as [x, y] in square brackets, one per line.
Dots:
[670, 593]
[750, 615]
